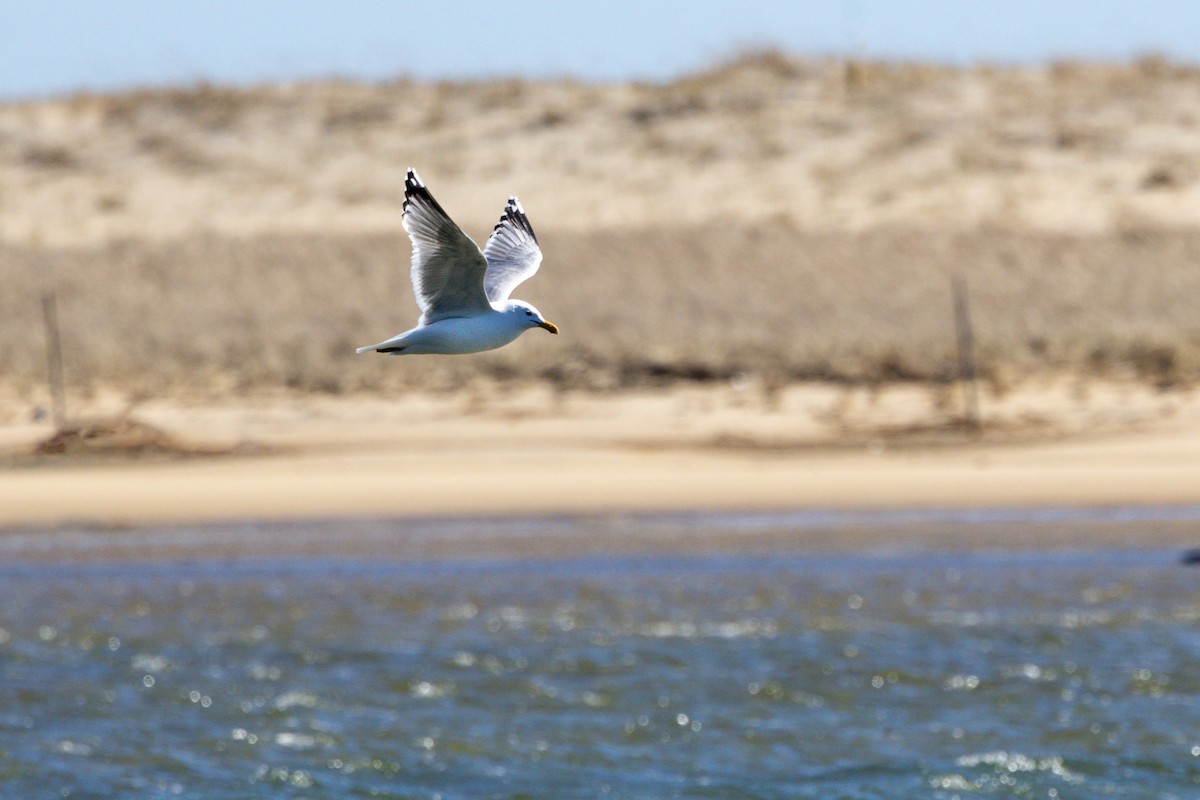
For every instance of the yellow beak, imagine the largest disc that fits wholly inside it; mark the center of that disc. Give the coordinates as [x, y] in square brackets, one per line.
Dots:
[550, 326]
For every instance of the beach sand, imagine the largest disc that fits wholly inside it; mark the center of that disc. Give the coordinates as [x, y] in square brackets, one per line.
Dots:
[538, 453]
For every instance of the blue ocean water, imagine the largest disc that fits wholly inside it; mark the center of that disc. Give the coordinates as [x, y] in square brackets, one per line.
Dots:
[902, 675]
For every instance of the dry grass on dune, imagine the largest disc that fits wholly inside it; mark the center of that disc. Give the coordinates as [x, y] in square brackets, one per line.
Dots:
[774, 216]
[228, 315]
[824, 144]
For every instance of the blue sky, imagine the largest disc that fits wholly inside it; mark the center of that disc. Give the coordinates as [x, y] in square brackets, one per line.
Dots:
[58, 46]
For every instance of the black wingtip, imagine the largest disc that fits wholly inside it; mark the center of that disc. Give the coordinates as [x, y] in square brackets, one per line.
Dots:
[414, 187]
[412, 182]
[514, 215]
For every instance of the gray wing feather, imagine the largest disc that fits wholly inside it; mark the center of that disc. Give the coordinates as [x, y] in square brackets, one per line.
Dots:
[512, 253]
[447, 267]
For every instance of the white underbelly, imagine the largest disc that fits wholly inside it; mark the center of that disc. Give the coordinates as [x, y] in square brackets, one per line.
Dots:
[464, 335]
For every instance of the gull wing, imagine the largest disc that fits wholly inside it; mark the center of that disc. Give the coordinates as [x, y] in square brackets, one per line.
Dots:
[447, 267]
[512, 253]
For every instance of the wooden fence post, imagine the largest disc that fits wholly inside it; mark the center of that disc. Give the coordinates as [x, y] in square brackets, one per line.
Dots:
[54, 361]
[967, 374]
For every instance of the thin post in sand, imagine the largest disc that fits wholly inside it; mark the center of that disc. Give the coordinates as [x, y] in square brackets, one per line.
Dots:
[54, 361]
[967, 373]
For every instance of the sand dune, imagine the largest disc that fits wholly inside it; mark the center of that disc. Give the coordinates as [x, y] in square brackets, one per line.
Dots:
[822, 145]
[784, 218]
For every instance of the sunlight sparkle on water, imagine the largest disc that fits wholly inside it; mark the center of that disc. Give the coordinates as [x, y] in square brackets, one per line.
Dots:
[978, 675]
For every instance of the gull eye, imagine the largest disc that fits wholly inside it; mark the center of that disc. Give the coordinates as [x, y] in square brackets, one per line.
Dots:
[529, 313]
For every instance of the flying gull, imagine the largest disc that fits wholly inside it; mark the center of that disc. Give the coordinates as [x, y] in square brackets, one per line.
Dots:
[462, 291]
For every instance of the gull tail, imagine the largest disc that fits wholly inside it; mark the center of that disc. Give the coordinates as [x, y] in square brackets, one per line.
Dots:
[396, 345]
[388, 347]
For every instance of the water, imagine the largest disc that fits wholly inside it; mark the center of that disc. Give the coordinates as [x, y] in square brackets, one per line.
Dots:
[1047, 675]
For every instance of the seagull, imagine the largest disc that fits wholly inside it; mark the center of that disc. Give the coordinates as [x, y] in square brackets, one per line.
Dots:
[462, 291]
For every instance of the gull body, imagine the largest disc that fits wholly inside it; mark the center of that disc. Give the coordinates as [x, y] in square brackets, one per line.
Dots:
[463, 291]
[460, 335]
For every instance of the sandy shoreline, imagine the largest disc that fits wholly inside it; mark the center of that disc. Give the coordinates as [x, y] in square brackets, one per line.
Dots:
[550, 479]
[540, 456]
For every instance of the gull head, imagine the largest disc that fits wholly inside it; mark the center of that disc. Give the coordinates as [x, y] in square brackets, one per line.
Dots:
[529, 316]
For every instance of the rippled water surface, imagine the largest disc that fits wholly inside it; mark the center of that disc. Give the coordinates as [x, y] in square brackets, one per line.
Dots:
[849, 676]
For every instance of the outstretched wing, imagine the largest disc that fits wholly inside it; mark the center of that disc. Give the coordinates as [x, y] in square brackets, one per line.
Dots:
[512, 253]
[447, 267]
